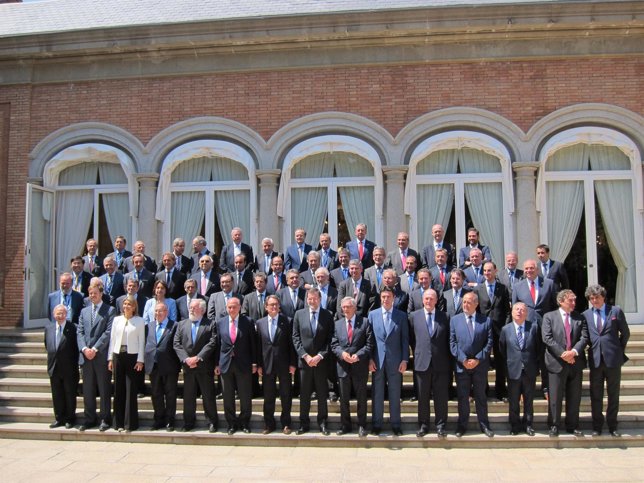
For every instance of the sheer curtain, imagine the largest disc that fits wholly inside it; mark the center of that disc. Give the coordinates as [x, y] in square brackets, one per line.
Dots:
[485, 200]
[565, 200]
[358, 202]
[435, 201]
[232, 206]
[189, 207]
[74, 211]
[116, 205]
[616, 207]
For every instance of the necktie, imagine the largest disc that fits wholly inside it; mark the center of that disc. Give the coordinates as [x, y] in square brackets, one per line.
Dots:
[430, 324]
[260, 300]
[137, 276]
[355, 290]
[239, 278]
[267, 263]
[456, 299]
[598, 320]
[93, 314]
[546, 269]
[294, 297]
[470, 326]
[490, 292]
[277, 282]
[119, 258]
[520, 338]
[167, 277]
[345, 273]
[204, 284]
[387, 321]
[159, 332]
[325, 258]
[300, 252]
[178, 263]
[442, 275]
[109, 284]
[272, 328]
[91, 263]
[478, 273]
[511, 277]
[411, 281]
[360, 250]
[567, 331]
[233, 331]
[314, 324]
[403, 257]
[349, 331]
[195, 327]
[59, 334]
[379, 276]
[533, 292]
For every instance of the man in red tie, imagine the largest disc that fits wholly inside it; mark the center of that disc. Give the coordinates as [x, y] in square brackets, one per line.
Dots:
[565, 336]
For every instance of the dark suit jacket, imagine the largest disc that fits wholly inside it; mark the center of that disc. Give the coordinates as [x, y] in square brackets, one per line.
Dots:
[401, 300]
[332, 259]
[149, 264]
[76, 304]
[227, 257]
[462, 346]
[498, 309]
[367, 254]
[394, 261]
[271, 288]
[258, 263]
[448, 300]
[610, 343]
[117, 288]
[247, 285]
[518, 360]
[175, 287]
[464, 254]
[140, 303]
[182, 305]
[64, 358]
[331, 300]
[430, 351]
[126, 254]
[242, 352]
[436, 279]
[217, 305]
[504, 277]
[204, 345]
[557, 273]
[307, 277]
[146, 281]
[546, 301]
[415, 301]
[161, 354]
[365, 300]
[305, 341]
[85, 278]
[554, 338]
[286, 303]
[361, 344]
[98, 266]
[194, 259]
[213, 282]
[98, 334]
[292, 258]
[186, 266]
[428, 255]
[275, 357]
[251, 306]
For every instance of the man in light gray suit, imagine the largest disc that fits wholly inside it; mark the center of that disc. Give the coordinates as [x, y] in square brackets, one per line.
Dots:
[217, 301]
[389, 360]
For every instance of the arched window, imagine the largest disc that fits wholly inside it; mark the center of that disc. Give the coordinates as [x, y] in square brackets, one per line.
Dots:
[591, 203]
[461, 179]
[329, 185]
[207, 188]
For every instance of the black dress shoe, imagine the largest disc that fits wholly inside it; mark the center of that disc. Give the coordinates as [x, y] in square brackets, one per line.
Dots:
[187, 428]
[596, 433]
[530, 431]
[413, 399]
[333, 397]
[441, 433]
[460, 432]
[575, 432]
[157, 426]
[397, 431]
[421, 432]
[362, 432]
[302, 430]
[324, 430]
[615, 434]
[245, 430]
[514, 433]
[487, 432]
[69, 425]
[554, 432]
[103, 427]
[55, 424]
[343, 431]
[287, 430]
[376, 431]
[230, 431]
[169, 427]
[268, 430]
[212, 428]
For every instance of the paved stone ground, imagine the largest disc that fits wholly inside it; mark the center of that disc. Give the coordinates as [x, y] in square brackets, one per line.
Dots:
[73, 461]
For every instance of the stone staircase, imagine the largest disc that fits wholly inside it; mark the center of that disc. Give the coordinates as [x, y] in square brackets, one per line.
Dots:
[25, 411]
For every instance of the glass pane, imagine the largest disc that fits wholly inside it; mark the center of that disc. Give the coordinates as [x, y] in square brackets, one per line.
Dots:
[435, 204]
[39, 256]
[572, 158]
[326, 165]
[188, 214]
[232, 209]
[224, 169]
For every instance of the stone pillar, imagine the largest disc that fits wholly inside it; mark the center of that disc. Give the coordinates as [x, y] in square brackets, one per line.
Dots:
[527, 221]
[146, 221]
[268, 225]
[395, 219]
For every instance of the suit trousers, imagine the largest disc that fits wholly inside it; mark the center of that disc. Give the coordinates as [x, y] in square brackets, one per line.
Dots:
[269, 383]
[204, 382]
[126, 411]
[612, 376]
[516, 389]
[164, 396]
[95, 374]
[64, 387]
[240, 380]
[475, 380]
[428, 382]
[500, 371]
[358, 381]
[310, 378]
[390, 377]
[565, 383]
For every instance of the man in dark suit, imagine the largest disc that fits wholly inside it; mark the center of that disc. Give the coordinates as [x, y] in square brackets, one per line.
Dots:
[389, 280]
[608, 335]
[352, 344]
[173, 277]
[292, 296]
[328, 256]
[452, 301]
[565, 336]
[148, 262]
[217, 301]
[494, 302]
[276, 361]
[183, 303]
[312, 333]
[120, 253]
[132, 289]
[277, 279]
[519, 344]
[471, 343]
[397, 259]
[548, 268]
[207, 278]
[62, 367]
[80, 278]
[510, 275]
[440, 272]
[389, 360]
[264, 261]
[200, 247]
[182, 263]
[195, 343]
[236, 364]
[144, 276]
[93, 263]
[230, 252]
[474, 272]
[307, 277]
[93, 338]
[358, 287]
[254, 304]
[295, 256]
[112, 281]
[341, 272]
[242, 276]
[429, 252]
[374, 273]
[472, 242]
[361, 248]
[416, 296]
[69, 298]
[429, 340]
[163, 366]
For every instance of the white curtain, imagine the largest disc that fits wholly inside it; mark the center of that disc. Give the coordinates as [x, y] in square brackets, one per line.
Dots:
[74, 211]
[115, 205]
[435, 201]
[358, 202]
[565, 200]
[485, 200]
[189, 207]
[616, 207]
[233, 206]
